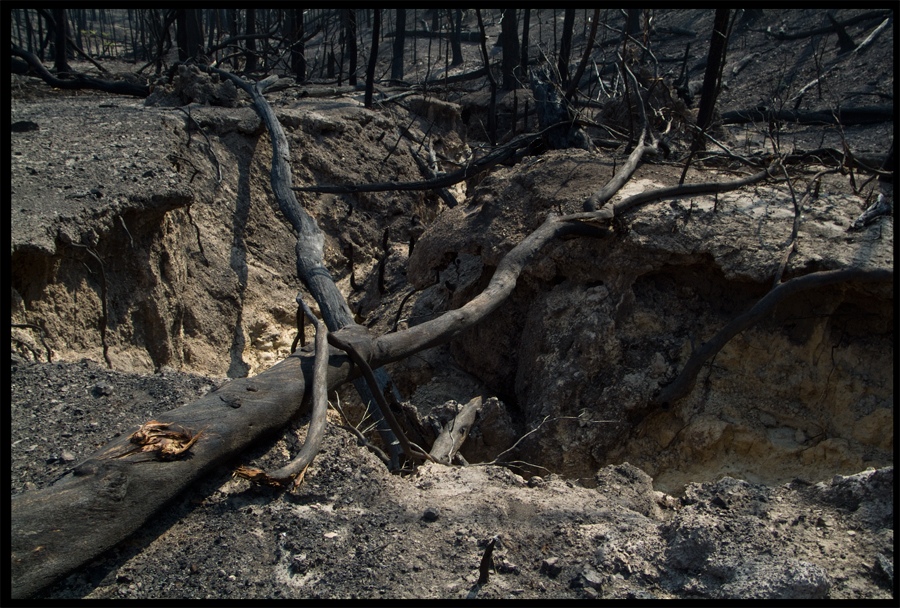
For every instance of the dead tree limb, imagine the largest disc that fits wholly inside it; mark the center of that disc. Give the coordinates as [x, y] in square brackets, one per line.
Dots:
[427, 172]
[310, 242]
[646, 144]
[636, 200]
[602, 196]
[495, 157]
[80, 81]
[798, 210]
[315, 434]
[683, 384]
[348, 341]
[828, 29]
[866, 115]
[454, 434]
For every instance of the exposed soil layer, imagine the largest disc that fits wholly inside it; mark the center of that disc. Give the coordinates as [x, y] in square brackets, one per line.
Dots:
[748, 487]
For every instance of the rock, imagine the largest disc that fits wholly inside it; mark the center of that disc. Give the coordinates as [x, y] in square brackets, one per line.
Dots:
[588, 578]
[885, 567]
[431, 514]
[640, 595]
[507, 567]
[103, 389]
[775, 579]
[551, 567]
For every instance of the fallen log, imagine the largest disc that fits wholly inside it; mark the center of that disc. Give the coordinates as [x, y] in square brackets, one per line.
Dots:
[81, 81]
[828, 29]
[844, 116]
[104, 499]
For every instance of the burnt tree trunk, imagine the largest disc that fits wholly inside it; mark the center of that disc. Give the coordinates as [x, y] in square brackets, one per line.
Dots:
[492, 112]
[526, 18]
[399, 41]
[59, 41]
[373, 59]
[456, 36]
[250, 54]
[565, 47]
[713, 77]
[350, 38]
[510, 43]
[298, 52]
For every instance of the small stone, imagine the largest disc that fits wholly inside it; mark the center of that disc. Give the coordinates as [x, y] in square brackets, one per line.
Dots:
[431, 514]
[590, 578]
[884, 566]
[507, 567]
[103, 389]
[67, 456]
[590, 593]
[535, 482]
[551, 567]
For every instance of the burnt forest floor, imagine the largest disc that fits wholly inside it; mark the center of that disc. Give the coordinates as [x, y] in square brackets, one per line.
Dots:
[352, 530]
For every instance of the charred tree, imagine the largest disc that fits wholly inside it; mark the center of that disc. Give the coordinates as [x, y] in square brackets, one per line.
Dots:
[399, 41]
[350, 38]
[59, 38]
[492, 112]
[633, 23]
[712, 79]
[525, 23]
[233, 32]
[573, 86]
[373, 58]
[250, 53]
[455, 16]
[565, 47]
[298, 51]
[189, 33]
[509, 37]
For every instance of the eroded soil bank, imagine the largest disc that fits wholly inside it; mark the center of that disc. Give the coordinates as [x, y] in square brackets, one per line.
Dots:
[763, 458]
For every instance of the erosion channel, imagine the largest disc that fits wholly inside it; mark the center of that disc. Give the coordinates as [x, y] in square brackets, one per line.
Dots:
[151, 268]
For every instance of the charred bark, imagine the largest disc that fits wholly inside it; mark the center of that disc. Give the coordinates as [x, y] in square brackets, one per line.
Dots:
[399, 40]
[492, 111]
[80, 81]
[511, 59]
[865, 115]
[373, 59]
